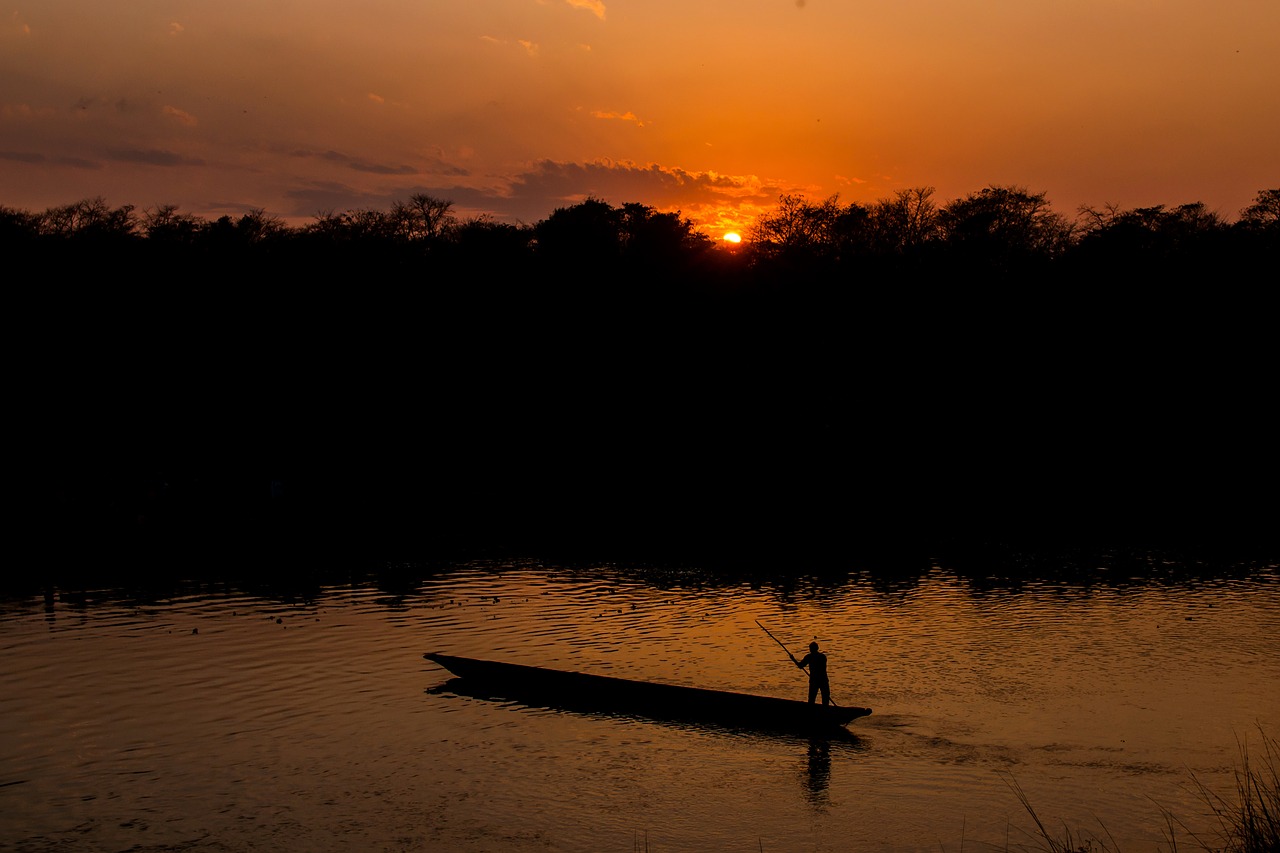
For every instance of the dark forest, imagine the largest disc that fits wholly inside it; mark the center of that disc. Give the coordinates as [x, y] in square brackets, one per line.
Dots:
[609, 380]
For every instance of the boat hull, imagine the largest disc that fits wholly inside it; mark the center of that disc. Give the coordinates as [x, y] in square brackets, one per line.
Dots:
[581, 691]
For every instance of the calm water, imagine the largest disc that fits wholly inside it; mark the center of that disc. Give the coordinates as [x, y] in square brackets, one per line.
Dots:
[224, 721]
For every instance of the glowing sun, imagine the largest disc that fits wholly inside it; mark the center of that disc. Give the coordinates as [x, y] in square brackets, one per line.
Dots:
[733, 237]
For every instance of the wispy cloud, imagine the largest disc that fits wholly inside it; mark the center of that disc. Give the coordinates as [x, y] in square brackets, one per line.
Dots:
[180, 116]
[614, 116]
[356, 164]
[529, 47]
[152, 157]
[34, 158]
[364, 165]
[319, 196]
[595, 7]
[22, 156]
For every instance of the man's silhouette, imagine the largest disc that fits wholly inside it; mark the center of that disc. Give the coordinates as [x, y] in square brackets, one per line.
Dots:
[816, 661]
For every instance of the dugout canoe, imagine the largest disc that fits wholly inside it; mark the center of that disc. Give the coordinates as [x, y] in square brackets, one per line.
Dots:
[584, 692]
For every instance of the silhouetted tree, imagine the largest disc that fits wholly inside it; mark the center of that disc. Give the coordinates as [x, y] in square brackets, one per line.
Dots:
[1264, 213]
[853, 233]
[655, 239]
[18, 225]
[165, 224]
[362, 226]
[90, 219]
[1184, 242]
[905, 223]
[1155, 227]
[484, 238]
[424, 217]
[797, 228]
[258, 226]
[1003, 228]
[585, 235]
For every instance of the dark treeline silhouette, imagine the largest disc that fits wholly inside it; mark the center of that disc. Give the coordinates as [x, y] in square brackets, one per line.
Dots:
[854, 378]
[1003, 234]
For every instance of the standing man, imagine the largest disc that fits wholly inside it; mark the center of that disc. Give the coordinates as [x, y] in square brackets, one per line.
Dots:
[817, 663]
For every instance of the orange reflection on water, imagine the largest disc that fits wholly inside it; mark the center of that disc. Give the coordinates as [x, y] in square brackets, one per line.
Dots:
[198, 717]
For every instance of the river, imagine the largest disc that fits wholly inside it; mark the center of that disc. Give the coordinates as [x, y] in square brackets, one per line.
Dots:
[236, 717]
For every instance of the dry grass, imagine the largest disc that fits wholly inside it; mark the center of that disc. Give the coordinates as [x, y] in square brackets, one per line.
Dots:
[1066, 842]
[1249, 822]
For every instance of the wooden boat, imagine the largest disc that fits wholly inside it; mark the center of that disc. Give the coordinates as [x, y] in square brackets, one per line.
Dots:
[580, 691]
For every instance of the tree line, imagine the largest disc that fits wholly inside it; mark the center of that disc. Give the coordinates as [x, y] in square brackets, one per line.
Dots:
[1000, 232]
[1003, 232]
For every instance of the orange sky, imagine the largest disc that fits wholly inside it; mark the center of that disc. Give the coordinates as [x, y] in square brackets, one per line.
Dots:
[515, 107]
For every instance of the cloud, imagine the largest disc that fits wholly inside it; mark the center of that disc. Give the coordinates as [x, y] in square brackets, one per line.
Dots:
[377, 99]
[715, 201]
[625, 181]
[176, 29]
[627, 116]
[152, 157]
[22, 156]
[595, 7]
[321, 196]
[180, 116]
[357, 165]
[529, 47]
[77, 163]
[430, 165]
[725, 202]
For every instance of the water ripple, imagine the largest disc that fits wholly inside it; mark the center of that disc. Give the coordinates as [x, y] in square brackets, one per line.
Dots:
[254, 722]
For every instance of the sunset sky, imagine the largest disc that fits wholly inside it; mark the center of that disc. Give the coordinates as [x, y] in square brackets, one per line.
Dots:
[516, 107]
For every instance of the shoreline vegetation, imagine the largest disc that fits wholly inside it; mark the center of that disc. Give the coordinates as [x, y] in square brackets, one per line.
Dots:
[1249, 822]
[610, 381]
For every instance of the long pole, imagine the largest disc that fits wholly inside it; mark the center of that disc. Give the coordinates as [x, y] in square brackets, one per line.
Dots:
[793, 657]
[779, 642]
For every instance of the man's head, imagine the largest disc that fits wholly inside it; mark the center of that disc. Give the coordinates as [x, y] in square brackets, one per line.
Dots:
[813, 647]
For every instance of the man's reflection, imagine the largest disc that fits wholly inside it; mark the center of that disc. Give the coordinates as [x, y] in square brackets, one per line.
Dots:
[818, 773]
